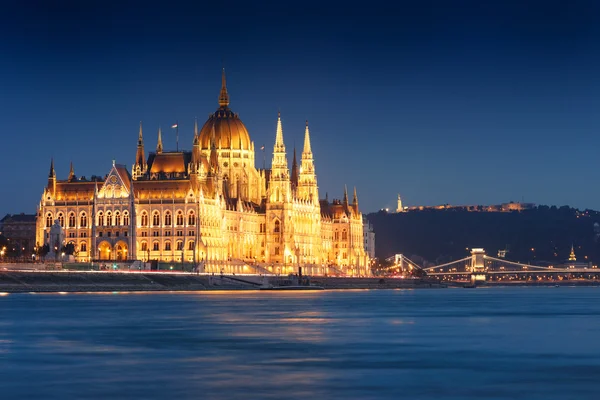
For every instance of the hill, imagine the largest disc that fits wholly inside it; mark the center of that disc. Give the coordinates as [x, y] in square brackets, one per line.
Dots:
[540, 235]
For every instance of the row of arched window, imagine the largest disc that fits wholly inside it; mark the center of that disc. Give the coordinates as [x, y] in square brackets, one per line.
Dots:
[71, 220]
[168, 219]
[109, 219]
[167, 246]
[117, 219]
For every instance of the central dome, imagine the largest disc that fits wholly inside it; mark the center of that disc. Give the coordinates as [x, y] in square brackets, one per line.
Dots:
[229, 131]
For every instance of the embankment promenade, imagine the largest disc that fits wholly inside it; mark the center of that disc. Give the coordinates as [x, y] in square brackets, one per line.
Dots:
[69, 281]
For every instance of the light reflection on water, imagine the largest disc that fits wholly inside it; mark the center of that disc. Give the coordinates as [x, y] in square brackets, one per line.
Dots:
[507, 343]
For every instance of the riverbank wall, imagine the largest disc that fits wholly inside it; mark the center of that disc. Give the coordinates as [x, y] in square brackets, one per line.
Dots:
[54, 281]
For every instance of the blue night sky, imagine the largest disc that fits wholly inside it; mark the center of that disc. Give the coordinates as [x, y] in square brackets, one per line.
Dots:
[460, 102]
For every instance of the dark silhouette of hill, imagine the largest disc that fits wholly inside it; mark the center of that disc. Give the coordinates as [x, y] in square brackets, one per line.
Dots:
[539, 235]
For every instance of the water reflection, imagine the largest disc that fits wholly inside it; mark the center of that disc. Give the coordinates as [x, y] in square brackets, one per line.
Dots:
[427, 344]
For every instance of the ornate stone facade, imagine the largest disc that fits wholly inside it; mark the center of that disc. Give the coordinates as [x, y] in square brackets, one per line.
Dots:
[210, 206]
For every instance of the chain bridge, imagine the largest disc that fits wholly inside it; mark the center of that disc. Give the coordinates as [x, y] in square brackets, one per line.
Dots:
[479, 267]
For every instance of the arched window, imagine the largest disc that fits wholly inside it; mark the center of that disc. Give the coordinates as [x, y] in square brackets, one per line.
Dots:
[277, 227]
[118, 218]
[144, 246]
[167, 246]
[155, 219]
[179, 218]
[100, 219]
[179, 245]
[191, 245]
[83, 220]
[61, 219]
[155, 246]
[191, 219]
[144, 219]
[83, 246]
[344, 235]
[72, 220]
[168, 219]
[48, 220]
[126, 218]
[109, 220]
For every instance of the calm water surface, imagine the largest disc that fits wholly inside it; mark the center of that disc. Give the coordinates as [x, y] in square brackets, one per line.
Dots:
[497, 343]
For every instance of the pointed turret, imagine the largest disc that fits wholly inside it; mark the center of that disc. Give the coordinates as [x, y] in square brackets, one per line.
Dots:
[307, 179]
[279, 134]
[294, 179]
[159, 145]
[52, 173]
[355, 199]
[140, 136]
[345, 195]
[71, 173]
[139, 168]
[279, 180]
[214, 156]
[307, 148]
[196, 152]
[279, 166]
[223, 96]
[52, 177]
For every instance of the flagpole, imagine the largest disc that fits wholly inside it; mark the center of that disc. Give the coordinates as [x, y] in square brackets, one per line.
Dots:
[177, 135]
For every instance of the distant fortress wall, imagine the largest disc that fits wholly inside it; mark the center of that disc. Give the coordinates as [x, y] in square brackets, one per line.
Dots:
[504, 207]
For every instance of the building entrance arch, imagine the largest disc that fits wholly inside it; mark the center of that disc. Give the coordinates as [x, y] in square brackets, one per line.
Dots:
[121, 250]
[105, 251]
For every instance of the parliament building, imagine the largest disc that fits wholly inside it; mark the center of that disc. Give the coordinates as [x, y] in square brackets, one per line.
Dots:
[209, 206]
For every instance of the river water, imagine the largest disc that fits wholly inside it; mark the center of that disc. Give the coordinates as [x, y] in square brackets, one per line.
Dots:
[484, 343]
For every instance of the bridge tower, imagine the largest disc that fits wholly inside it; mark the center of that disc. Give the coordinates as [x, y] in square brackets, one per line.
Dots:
[478, 265]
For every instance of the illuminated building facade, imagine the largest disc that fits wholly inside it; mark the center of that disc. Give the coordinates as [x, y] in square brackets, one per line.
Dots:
[210, 206]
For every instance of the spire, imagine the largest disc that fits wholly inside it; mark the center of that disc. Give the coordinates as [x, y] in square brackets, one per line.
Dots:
[294, 171]
[345, 195]
[223, 96]
[307, 148]
[159, 145]
[139, 168]
[279, 135]
[279, 166]
[279, 179]
[355, 199]
[52, 173]
[140, 137]
[71, 172]
[195, 127]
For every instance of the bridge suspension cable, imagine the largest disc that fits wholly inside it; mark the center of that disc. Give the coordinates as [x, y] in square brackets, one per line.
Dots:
[493, 259]
[449, 263]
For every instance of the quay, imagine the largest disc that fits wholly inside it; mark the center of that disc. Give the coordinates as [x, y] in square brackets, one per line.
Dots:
[24, 281]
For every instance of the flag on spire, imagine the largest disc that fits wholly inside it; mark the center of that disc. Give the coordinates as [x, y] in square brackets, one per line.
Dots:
[174, 125]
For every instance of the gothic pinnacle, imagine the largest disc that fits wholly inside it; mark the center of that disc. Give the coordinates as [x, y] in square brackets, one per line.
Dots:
[159, 145]
[307, 149]
[345, 195]
[52, 173]
[223, 96]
